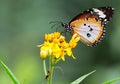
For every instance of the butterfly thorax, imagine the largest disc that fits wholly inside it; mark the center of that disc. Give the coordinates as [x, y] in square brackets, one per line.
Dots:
[67, 27]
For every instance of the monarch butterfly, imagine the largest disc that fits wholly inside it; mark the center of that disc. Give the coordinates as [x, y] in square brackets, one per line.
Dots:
[90, 25]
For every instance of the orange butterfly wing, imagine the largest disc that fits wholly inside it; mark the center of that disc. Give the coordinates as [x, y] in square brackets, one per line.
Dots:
[89, 25]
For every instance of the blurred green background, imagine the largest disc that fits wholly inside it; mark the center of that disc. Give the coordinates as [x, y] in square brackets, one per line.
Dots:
[23, 24]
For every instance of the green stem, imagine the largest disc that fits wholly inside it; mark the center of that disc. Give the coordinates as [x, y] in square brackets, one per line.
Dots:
[51, 64]
[51, 74]
[44, 66]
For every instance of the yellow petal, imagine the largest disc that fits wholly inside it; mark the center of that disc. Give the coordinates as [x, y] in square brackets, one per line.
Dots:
[39, 45]
[62, 39]
[69, 51]
[63, 57]
[43, 54]
[56, 34]
[73, 56]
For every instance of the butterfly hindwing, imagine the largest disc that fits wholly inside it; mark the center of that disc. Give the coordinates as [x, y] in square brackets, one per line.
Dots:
[89, 30]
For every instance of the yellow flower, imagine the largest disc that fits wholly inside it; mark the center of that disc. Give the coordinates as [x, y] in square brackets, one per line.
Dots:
[43, 53]
[56, 46]
[73, 42]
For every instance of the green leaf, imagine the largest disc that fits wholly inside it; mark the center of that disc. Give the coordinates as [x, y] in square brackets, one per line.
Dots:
[79, 80]
[11, 75]
[112, 81]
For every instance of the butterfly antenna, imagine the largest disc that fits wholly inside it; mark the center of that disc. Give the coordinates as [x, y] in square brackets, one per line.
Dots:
[56, 24]
[53, 26]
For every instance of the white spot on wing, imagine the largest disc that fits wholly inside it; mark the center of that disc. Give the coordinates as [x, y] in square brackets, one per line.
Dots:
[99, 12]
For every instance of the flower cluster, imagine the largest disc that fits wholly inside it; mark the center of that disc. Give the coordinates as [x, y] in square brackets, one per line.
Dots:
[56, 46]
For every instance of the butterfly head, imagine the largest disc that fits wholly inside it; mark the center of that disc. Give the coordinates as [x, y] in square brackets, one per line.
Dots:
[67, 27]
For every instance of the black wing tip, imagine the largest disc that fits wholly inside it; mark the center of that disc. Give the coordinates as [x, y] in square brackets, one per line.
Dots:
[107, 7]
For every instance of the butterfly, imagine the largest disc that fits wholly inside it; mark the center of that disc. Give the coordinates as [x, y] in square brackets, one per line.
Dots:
[90, 25]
